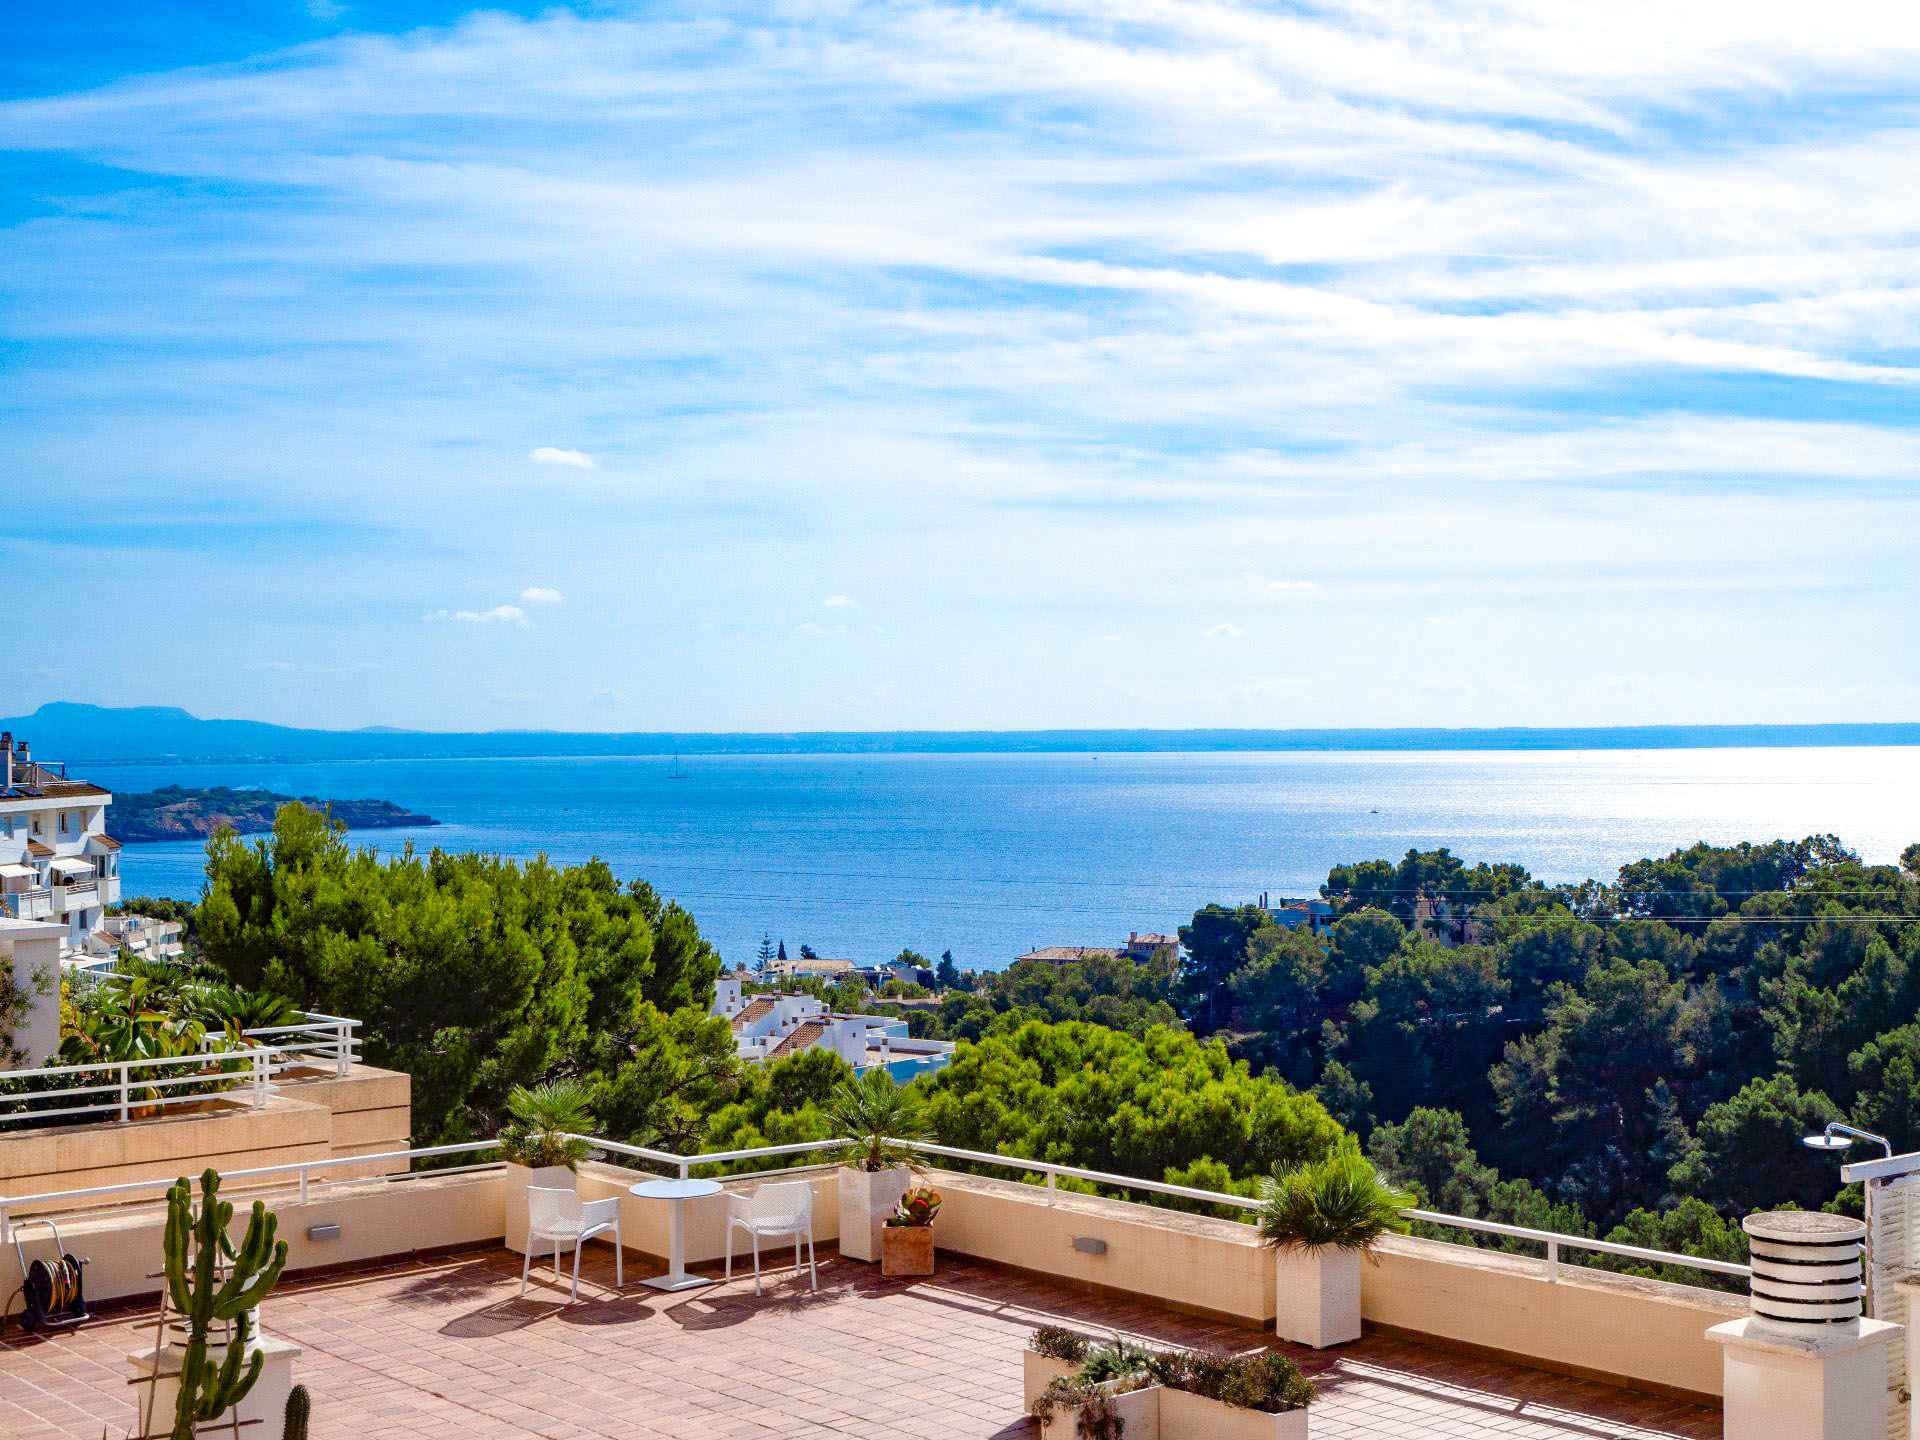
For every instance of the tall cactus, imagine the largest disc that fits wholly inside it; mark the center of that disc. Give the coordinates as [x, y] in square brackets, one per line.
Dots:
[299, 1408]
[194, 1246]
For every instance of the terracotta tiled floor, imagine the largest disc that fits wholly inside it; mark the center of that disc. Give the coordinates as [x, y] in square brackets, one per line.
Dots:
[443, 1347]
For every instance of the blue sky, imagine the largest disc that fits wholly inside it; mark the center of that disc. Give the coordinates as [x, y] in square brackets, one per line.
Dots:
[868, 366]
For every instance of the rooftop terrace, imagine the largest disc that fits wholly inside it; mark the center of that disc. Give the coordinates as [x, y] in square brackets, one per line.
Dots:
[443, 1346]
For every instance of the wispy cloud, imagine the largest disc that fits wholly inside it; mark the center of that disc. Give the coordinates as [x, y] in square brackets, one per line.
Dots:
[498, 615]
[541, 595]
[1226, 630]
[1089, 319]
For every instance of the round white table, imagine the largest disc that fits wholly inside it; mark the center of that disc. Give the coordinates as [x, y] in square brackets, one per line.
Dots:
[676, 1193]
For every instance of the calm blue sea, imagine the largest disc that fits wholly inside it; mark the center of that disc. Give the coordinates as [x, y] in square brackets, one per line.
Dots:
[991, 855]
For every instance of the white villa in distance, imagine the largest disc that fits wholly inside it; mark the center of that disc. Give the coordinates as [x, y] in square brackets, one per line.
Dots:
[770, 1027]
[58, 865]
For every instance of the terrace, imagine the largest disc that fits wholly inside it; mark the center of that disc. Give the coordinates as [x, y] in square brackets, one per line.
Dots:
[441, 1346]
[403, 1300]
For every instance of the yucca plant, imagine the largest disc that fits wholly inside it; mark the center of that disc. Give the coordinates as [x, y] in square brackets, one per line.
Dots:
[1339, 1201]
[876, 1122]
[537, 1135]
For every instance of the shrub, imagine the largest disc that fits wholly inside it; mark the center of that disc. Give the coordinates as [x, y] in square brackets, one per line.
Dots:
[1338, 1201]
[1059, 1344]
[1266, 1381]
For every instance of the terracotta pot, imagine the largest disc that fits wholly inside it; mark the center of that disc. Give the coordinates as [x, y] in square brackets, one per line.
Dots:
[906, 1250]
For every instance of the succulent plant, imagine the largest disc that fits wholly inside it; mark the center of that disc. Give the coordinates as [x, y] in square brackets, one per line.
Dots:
[299, 1411]
[917, 1208]
[194, 1245]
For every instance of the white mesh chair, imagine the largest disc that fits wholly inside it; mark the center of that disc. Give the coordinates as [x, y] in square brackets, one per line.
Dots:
[564, 1218]
[769, 1212]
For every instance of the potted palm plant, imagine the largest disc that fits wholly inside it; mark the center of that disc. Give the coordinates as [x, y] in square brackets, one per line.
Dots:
[906, 1240]
[540, 1145]
[877, 1125]
[1322, 1219]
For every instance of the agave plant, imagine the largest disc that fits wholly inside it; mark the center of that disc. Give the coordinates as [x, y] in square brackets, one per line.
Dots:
[1339, 1201]
[876, 1122]
[544, 1116]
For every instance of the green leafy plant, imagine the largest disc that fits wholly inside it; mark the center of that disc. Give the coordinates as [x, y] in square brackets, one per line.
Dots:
[1057, 1343]
[1266, 1381]
[1091, 1401]
[1115, 1360]
[876, 1123]
[299, 1411]
[1339, 1201]
[194, 1245]
[917, 1209]
[543, 1115]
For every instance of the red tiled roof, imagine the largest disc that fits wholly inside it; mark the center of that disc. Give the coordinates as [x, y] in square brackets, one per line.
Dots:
[105, 842]
[39, 851]
[801, 1038]
[755, 1009]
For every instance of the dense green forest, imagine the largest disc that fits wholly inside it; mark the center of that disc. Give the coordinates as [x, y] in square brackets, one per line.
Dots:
[1635, 1057]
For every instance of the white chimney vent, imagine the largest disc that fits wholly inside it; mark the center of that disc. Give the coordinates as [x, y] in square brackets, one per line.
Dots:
[1806, 1267]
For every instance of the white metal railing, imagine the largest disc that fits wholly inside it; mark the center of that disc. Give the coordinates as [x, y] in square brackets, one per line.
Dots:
[1553, 1241]
[117, 1089]
[300, 1175]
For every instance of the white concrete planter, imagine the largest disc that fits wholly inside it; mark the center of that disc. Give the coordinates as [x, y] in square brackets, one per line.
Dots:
[1038, 1371]
[520, 1179]
[867, 1198]
[1316, 1295]
[1139, 1412]
[265, 1402]
[1185, 1416]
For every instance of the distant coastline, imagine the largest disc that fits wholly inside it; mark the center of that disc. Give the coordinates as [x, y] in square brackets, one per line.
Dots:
[83, 734]
[175, 813]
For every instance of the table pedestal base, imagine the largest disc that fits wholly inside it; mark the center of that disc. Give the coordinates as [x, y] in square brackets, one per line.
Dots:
[676, 1282]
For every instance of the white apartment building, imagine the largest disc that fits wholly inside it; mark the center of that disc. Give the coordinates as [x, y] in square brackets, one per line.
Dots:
[57, 862]
[770, 1027]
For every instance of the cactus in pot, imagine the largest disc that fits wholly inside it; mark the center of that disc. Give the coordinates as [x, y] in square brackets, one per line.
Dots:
[194, 1245]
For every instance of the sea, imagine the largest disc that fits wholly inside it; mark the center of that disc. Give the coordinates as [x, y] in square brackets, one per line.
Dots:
[991, 855]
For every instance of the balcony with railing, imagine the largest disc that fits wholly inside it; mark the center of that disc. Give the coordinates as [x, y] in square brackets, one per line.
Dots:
[405, 1304]
[31, 904]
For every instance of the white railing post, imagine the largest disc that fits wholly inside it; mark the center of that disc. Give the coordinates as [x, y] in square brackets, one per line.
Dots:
[1053, 1189]
[1553, 1261]
[303, 1184]
[259, 1079]
[125, 1093]
[343, 1049]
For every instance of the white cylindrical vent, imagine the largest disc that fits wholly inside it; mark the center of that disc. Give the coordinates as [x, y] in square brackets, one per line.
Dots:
[1806, 1267]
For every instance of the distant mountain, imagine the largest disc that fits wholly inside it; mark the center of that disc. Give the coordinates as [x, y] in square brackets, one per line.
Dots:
[82, 734]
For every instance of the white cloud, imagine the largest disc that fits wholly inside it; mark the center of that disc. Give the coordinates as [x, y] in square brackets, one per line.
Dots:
[498, 615]
[541, 595]
[807, 627]
[1227, 630]
[550, 455]
[837, 602]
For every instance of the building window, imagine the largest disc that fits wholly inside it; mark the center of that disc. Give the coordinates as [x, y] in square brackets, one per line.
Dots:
[63, 822]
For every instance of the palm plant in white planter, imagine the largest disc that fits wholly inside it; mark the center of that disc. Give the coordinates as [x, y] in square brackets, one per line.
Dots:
[538, 1145]
[1322, 1219]
[876, 1124]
